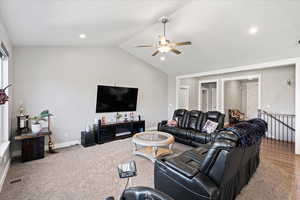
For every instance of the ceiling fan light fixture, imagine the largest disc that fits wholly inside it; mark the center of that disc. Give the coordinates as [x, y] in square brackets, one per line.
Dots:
[164, 45]
[164, 49]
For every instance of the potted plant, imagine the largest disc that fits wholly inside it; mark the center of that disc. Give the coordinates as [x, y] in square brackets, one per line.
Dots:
[36, 121]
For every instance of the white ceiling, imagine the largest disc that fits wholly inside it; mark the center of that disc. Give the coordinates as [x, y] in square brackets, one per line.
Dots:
[59, 22]
[218, 29]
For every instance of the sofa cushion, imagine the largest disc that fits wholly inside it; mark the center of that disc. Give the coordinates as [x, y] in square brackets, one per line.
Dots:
[178, 132]
[180, 116]
[197, 136]
[214, 116]
[194, 119]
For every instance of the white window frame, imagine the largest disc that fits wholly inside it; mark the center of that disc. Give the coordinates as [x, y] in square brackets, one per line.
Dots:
[4, 122]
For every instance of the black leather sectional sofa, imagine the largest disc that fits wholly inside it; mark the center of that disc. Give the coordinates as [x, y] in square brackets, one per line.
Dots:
[190, 124]
[216, 171]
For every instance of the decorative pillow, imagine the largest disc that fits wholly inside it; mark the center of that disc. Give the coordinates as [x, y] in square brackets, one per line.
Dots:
[172, 123]
[209, 126]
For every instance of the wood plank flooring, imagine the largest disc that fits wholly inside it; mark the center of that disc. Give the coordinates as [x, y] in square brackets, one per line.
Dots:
[283, 157]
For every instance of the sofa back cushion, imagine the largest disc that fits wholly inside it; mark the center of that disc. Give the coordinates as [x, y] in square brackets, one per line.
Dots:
[180, 116]
[214, 116]
[194, 119]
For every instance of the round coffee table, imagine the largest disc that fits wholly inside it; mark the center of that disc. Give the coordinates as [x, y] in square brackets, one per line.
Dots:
[152, 144]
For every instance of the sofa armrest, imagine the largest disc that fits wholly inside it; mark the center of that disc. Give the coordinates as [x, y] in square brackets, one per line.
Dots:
[213, 152]
[137, 193]
[179, 186]
[162, 123]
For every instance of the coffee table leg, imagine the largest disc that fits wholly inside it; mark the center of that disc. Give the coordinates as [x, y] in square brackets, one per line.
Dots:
[154, 149]
[170, 148]
[135, 148]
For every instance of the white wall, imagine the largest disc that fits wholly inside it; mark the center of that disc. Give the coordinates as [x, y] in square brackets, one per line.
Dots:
[64, 80]
[297, 108]
[276, 95]
[171, 95]
[5, 39]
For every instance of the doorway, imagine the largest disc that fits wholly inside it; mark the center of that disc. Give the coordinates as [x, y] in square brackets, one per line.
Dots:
[242, 94]
[208, 95]
[183, 97]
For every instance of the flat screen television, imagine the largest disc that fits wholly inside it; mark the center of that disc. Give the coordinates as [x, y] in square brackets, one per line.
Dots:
[116, 99]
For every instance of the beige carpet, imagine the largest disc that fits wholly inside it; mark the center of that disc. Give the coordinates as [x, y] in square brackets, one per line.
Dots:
[90, 174]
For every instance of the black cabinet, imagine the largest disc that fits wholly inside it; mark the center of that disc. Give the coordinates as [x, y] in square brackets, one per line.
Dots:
[33, 148]
[113, 131]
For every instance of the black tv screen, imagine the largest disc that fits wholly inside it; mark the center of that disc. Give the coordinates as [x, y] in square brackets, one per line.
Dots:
[116, 99]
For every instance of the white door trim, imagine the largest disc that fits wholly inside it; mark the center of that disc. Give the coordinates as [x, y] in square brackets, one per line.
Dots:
[256, 76]
[200, 94]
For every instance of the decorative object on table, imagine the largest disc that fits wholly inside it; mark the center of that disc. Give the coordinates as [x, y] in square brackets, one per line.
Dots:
[139, 117]
[22, 123]
[131, 115]
[103, 120]
[3, 96]
[118, 117]
[21, 109]
[125, 117]
[36, 125]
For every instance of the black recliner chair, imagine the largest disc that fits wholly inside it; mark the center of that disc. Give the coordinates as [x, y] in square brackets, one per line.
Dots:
[144, 193]
[217, 171]
[190, 124]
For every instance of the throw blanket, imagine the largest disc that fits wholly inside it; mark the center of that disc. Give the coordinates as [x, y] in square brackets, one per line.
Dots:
[249, 132]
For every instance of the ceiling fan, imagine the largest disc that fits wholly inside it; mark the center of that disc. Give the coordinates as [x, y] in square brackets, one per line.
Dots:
[164, 45]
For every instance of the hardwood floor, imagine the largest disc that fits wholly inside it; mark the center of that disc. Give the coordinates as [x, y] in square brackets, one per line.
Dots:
[283, 157]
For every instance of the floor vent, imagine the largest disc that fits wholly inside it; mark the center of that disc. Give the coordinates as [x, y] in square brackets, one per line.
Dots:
[15, 180]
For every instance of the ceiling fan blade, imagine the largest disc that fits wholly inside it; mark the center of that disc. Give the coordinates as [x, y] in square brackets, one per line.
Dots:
[175, 51]
[155, 53]
[146, 45]
[182, 43]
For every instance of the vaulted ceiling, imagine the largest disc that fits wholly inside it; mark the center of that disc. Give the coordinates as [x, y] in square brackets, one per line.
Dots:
[218, 29]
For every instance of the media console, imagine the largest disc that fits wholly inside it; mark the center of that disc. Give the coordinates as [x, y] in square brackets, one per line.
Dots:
[113, 131]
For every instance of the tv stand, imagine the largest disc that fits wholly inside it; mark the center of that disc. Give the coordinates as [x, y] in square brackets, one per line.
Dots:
[113, 131]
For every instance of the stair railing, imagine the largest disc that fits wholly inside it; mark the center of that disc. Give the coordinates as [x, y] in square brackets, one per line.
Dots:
[281, 127]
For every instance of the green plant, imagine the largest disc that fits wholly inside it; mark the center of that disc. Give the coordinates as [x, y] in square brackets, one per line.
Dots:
[41, 117]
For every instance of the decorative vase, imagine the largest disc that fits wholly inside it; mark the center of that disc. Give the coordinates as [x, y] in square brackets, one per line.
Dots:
[36, 128]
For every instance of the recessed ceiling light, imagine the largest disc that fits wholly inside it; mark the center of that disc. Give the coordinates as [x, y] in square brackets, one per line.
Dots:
[253, 30]
[82, 36]
[162, 58]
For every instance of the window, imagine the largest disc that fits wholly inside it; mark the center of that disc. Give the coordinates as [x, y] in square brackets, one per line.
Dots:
[4, 118]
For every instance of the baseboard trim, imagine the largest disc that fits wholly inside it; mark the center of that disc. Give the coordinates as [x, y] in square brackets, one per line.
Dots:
[7, 166]
[64, 144]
